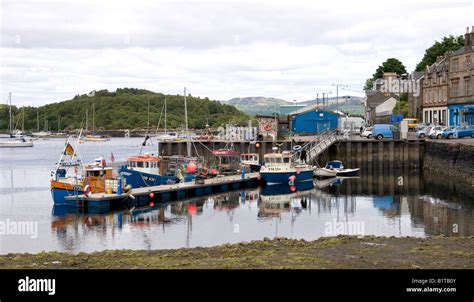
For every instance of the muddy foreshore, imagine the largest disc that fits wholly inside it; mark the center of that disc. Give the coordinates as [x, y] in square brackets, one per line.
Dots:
[341, 252]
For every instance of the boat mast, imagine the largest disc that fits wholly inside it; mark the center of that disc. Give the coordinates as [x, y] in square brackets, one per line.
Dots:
[23, 120]
[93, 116]
[188, 145]
[165, 118]
[37, 120]
[148, 117]
[10, 99]
[87, 120]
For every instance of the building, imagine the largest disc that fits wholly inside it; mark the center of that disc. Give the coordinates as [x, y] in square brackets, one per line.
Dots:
[415, 97]
[312, 120]
[461, 93]
[435, 92]
[267, 127]
[379, 105]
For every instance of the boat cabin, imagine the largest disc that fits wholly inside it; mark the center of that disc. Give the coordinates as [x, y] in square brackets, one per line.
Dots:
[249, 159]
[283, 158]
[146, 163]
[227, 160]
[334, 164]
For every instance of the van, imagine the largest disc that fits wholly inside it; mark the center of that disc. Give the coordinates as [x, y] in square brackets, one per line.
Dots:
[381, 131]
[412, 122]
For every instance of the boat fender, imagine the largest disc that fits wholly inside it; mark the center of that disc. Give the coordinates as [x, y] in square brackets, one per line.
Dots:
[298, 171]
[87, 191]
[291, 182]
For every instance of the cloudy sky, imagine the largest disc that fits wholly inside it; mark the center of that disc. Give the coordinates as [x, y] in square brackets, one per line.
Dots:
[52, 50]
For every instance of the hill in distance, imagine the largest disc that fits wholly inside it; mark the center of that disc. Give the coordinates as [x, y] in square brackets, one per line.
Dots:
[125, 108]
[268, 106]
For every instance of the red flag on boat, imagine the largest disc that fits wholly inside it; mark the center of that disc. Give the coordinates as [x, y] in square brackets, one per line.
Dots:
[112, 158]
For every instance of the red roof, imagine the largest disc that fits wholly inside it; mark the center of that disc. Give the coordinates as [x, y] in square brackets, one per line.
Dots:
[144, 158]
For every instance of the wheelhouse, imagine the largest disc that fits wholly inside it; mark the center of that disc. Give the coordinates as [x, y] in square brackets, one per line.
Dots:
[147, 163]
[249, 159]
[227, 160]
[283, 158]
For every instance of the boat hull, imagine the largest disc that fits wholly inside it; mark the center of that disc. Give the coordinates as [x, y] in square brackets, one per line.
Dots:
[284, 177]
[141, 179]
[348, 172]
[59, 195]
[16, 145]
[325, 173]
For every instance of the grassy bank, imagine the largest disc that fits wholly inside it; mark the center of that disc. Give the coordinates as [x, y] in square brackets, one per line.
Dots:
[332, 252]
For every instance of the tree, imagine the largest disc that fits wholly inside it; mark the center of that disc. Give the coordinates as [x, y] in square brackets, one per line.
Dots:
[390, 65]
[450, 43]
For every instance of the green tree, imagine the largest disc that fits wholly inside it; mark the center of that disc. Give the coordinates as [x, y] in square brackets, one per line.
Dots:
[390, 65]
[450, 43]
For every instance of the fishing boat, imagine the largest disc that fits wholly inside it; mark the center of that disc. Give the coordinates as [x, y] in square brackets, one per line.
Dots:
[340, 170]
[73, 178]
[147, 170]
[280, 168]
[17, 140]
[250, 161]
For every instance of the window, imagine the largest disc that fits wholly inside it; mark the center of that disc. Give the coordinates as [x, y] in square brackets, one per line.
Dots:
[467, 86]
[454, 88]
[286, 160]
[455, 66]
[139, 164]
[467, 62]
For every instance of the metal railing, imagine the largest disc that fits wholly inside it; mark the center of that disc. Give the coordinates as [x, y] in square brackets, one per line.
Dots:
[317, 146]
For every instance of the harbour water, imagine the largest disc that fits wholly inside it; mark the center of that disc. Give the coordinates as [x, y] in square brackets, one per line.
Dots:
[373, 204]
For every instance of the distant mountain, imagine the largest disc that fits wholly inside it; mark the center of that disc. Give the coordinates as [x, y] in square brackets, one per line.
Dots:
[258, 105]
[268, 106]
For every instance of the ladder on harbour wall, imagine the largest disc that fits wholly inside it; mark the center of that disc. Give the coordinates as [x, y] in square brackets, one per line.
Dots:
[317, 146]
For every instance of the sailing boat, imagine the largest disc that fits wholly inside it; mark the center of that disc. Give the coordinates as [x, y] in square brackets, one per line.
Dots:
[16, 141]
[167, 136]
[95, 137]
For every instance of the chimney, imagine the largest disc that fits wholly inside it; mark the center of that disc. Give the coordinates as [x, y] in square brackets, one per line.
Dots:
[468, 39]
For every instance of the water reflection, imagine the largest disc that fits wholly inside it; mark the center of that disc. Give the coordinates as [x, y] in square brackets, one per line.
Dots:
[386, 204]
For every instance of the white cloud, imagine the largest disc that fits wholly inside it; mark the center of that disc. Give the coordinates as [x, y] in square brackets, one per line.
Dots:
[53, 50]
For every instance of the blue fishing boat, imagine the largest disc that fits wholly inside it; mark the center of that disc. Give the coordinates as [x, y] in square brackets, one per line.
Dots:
[280, 168]
[144, 171]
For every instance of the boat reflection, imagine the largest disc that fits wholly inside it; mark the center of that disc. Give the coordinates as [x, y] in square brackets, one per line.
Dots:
[386, 207]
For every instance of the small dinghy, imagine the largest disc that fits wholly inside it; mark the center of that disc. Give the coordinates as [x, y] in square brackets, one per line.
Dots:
[340, 170]
[324, 172]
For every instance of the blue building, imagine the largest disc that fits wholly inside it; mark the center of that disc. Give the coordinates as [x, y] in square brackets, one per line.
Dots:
[314, 121]
[461, 114]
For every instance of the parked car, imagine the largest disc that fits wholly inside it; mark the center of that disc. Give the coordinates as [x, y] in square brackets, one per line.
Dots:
[436, 131]
[381, 131]
[423, 132]
[367, 132]
[459, 132]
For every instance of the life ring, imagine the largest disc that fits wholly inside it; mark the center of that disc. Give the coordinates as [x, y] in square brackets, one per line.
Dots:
[87, 191]
[296, 148]
[291, 182]
[205, 172]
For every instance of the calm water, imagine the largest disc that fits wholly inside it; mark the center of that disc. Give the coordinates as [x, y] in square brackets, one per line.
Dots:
[398, 205]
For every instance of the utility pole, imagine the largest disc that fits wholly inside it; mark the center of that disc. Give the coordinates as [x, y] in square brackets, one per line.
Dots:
[317, 99]
[337, 94]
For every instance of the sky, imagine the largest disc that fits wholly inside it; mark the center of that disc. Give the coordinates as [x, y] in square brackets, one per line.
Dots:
[52, 50]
